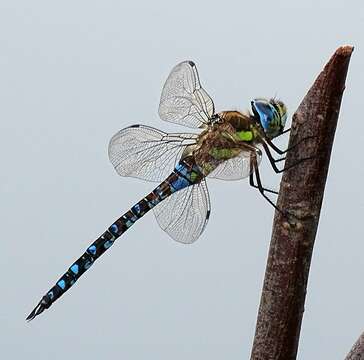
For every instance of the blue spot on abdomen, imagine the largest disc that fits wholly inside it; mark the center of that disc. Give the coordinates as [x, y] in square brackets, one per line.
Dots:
[108, 244]
[62, 284]
[180, 183]
[114, 228]
[181, 168]
[136, 208]
[74, 269]
[92, 250]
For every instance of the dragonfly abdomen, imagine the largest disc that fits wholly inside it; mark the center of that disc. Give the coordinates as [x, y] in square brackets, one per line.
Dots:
[185, 174]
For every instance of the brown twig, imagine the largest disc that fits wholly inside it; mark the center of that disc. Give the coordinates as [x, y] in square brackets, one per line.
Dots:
[357, 351]
[301, 193]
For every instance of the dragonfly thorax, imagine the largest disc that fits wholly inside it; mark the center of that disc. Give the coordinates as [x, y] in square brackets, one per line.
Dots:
[222, 141]
[237, 120]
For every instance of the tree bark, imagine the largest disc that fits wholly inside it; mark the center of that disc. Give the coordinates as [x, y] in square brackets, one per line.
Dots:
[357, 351]
[301, 193]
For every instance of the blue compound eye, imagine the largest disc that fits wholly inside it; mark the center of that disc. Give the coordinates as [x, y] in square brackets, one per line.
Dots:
[264, 111]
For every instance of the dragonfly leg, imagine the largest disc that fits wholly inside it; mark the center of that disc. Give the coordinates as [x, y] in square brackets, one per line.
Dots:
[281, 152]
[259, 185]
[280, 159]
[274, 161]
[251, 182]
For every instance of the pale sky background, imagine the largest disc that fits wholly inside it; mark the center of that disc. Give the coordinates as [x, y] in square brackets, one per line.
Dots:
[73, 73]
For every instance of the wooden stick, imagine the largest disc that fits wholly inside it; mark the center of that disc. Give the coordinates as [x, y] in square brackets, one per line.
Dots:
[357, 351]
[301, 193]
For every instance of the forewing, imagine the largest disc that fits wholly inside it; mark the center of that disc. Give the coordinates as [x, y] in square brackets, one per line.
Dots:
[147, 153]
[184, 214]
[236, 168]
[183, 100]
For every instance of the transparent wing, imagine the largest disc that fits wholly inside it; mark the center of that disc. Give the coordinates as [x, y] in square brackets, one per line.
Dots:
[236, 168]
[183, 100]
[147, 153]
[184, 214]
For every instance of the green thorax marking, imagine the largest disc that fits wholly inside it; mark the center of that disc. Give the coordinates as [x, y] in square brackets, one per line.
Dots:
[224, 154]
[194, 176]
[207, 168]
[245, 135]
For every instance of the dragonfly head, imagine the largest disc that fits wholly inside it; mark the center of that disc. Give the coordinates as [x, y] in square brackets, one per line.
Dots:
[271, 114]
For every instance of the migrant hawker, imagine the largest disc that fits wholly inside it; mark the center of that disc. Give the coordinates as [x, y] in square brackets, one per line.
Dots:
[227, 148]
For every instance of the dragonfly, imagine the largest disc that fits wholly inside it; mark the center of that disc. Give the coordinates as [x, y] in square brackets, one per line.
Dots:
[228, 146]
